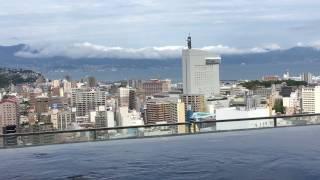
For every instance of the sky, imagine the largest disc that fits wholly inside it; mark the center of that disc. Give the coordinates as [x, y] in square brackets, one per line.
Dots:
[232, 26]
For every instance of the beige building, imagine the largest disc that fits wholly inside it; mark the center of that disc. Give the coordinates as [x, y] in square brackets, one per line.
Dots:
[8, 113]
[194, 102]
[42, 104]
[155, 86]
[166, 110]
[32, 96]
[123, 96]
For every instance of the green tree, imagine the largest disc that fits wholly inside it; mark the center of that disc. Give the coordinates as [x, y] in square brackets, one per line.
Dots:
[252, 85]
[278, 106]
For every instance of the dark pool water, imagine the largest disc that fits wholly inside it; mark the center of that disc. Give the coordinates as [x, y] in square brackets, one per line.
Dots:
[283, 153]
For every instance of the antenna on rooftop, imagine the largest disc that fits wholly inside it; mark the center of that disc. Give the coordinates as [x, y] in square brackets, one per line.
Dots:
[189, 41]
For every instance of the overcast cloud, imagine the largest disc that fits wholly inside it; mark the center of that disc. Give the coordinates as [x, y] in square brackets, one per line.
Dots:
[136, 27]
[88, 50]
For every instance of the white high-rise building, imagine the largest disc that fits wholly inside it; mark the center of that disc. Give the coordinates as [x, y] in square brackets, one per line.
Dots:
[200, 71]
[67, 87]
[311, 99]
[110, 118]
[292, 103]
[229, 113]
[129, 118]
[307, 77]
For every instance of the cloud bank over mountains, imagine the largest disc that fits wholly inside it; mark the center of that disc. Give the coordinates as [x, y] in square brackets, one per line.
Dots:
[89, 50]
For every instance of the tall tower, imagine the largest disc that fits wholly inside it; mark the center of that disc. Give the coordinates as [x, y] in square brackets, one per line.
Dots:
[200, 72]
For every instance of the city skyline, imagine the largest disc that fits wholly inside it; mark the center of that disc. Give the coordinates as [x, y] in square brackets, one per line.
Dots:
[194, 89]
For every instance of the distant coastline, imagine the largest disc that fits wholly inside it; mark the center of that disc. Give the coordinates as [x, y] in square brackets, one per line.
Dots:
[227, 72]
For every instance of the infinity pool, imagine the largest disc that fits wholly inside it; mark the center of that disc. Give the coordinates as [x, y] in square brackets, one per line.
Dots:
[281, 153]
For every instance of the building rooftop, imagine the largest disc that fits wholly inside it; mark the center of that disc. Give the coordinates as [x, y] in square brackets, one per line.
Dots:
[280, 153]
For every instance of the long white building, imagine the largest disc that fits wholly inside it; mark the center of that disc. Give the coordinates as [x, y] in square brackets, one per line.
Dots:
[200, 71]
[234, 113]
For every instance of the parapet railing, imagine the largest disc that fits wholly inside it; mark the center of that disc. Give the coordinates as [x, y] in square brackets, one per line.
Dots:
[257, 122]
[126, 132]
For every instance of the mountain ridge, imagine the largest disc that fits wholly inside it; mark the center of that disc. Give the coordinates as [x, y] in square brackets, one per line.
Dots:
[295, 55]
